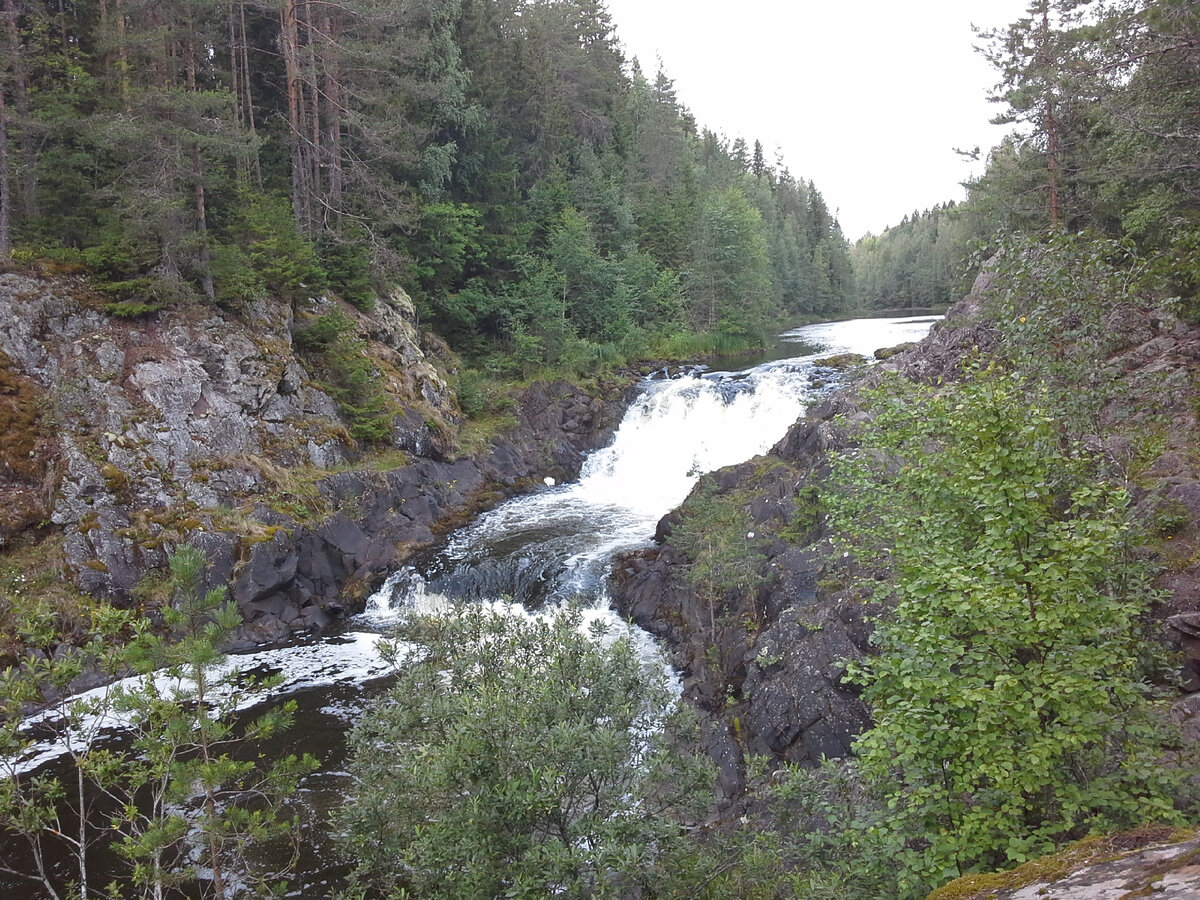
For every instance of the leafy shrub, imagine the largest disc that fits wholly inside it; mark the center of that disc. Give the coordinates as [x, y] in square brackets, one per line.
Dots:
[516, 757]
[1010, 715]
[716, 534]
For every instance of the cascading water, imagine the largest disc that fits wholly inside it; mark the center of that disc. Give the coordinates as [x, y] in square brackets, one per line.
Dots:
[556, 544]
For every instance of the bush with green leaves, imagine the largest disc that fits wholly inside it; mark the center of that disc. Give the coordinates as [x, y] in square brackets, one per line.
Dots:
[348, 374]
[724, 556]
[1063, 304]
[516, 756]
[1010, 711]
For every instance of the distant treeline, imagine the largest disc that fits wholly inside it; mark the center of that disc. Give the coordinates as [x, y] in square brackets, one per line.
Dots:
[1103, 95]
[916, 264]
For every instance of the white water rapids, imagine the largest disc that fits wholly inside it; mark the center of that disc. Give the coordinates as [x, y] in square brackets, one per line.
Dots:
[556, 544]
[537, 550]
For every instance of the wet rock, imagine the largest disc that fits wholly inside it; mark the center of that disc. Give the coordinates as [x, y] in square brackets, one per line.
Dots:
[721, 746]
[769, 667]
[320, 572]
[271, 568]
[798, 707]
[888, 352]
[220, 549]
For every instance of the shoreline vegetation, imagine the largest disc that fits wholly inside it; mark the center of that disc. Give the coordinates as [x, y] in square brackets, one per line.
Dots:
[993, 539]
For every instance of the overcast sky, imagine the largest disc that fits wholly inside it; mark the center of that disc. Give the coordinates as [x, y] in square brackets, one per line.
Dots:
[868, 98]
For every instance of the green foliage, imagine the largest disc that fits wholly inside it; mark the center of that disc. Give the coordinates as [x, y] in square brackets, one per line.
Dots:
[730, 277]
[1010, 713]
[236, 280]
[447, 246]
[480, 397]
[264, 230]
[186, 777]
[552, 210]
[1105, 122]
[1063, 305]
[346, 271]
[716, 534]
[806, 521]
[518, 757]
[817, 830]
[348, 374]
[915, 264]
[179, 801]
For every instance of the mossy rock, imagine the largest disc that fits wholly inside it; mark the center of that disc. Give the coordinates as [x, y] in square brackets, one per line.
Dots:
[20, 425]
[888, 352]
[1092, 851]
[840, 361]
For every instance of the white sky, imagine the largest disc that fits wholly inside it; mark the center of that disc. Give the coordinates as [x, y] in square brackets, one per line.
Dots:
[868, 98]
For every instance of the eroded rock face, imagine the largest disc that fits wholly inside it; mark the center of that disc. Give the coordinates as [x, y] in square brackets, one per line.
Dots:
[163, 425]
[179, 412]
[766, 671]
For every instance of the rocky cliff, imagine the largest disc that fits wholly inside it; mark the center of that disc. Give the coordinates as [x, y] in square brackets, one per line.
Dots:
[125, 438]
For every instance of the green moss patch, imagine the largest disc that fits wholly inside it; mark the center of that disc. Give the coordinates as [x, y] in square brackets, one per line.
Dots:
[1079, 855]
[20, 424]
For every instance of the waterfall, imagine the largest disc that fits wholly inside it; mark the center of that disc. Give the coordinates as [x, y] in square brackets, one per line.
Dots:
[551, 546]
[555, 544]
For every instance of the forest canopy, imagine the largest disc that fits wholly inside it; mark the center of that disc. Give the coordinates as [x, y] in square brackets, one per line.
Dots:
[540, 195]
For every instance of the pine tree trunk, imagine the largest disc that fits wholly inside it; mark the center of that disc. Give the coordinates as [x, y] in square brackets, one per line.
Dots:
[122, 57]
[203, 260]
[333, 127]
[1052, 164]
[316, 155]
[5, 185]
[27, 195]
[289, 41]
[11, 51]
[235, 76]
[248, 94]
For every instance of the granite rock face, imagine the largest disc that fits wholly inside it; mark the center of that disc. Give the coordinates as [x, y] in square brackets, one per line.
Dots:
[1146, 863]
[141, 435]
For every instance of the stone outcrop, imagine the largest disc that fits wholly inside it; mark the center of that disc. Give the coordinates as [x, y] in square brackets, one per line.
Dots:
[765, 670]
[1151, 862]
[131, 437]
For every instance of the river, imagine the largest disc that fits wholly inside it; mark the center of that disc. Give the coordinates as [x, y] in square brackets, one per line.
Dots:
[547, 547]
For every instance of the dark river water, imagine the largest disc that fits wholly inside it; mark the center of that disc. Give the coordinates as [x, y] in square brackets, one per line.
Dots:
[547, 547]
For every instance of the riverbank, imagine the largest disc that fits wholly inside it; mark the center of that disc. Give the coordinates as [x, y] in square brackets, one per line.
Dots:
[198, 425]
[765, 648]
